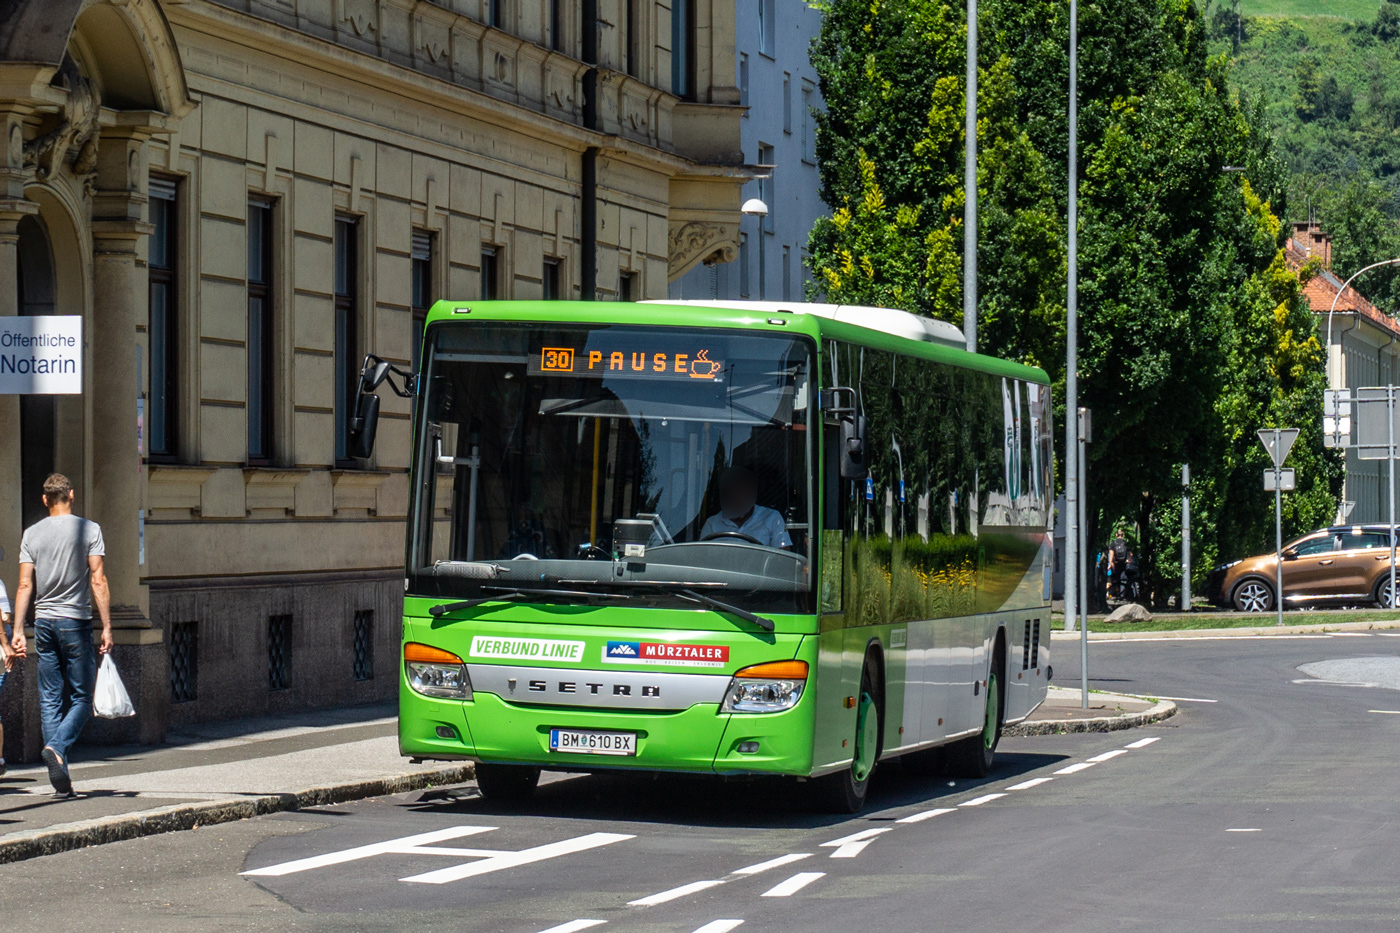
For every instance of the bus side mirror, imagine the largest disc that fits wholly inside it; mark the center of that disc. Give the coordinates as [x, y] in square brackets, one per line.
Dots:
[374, 374]
[360, 442]
[854, 447]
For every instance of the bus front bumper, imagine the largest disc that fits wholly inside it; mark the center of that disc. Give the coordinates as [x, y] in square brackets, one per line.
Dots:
[698, 739]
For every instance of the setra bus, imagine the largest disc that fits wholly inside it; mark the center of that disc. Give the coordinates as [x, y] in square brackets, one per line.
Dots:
[736, 538]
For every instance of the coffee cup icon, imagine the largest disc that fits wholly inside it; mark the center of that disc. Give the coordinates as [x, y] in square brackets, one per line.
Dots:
[702, 367]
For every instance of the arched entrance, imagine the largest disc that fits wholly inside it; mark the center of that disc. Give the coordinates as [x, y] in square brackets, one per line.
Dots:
[38, 414]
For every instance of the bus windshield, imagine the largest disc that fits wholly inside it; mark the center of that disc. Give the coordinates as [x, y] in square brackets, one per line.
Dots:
[586, 463]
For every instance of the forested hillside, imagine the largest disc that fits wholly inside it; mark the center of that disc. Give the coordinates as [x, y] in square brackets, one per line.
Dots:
[1330, 87]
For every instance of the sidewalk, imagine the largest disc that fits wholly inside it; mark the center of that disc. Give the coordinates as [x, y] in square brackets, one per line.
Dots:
[1126, 630]
[1062, 711]
[212, 773]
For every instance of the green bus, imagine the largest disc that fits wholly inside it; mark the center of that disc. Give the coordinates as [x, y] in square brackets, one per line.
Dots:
[745, 538]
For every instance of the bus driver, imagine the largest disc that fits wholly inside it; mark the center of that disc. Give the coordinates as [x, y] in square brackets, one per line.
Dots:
[740, 513]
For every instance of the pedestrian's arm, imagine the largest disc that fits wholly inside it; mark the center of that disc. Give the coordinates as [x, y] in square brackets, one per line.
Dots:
[22, 597]
[102, 596]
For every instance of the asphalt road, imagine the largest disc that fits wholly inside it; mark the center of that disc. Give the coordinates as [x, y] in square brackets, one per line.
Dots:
[1272, 808]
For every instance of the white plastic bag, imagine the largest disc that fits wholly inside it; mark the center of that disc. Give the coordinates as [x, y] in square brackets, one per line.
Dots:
[110, 699]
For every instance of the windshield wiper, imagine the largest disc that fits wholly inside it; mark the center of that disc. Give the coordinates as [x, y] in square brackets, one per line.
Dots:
[689, 594]
[514, 592]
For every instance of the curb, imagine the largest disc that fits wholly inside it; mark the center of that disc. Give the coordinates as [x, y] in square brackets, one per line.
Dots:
[65, 837]
[1127, 633]
[1165, 709]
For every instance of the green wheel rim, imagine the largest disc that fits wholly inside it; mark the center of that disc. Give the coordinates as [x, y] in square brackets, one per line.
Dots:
[989, 727]
[867, 737]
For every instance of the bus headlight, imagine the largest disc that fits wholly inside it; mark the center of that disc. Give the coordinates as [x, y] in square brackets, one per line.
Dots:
[766, 688]
[436, 673]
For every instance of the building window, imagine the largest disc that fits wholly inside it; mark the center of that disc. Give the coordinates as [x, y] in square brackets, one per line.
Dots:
[551, 279]
[490, 273]
[766, 26]
[633, 39]
[787, 273]
[744, 291]
[260, 323]
[279, 652]
[347, 342]
[556, 25]
[627, 286]
[787, 103]
[809, 135]
[163, 324]
[683, 49]
[362, 647]
[765, 186]
[496, 13]
[184, 662]
[744, 80]
[422, 289]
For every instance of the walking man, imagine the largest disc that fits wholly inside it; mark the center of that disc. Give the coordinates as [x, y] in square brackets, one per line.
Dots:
[60, 569]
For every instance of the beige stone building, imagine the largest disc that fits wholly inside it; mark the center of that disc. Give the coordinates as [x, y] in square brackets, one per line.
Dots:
[241, 198]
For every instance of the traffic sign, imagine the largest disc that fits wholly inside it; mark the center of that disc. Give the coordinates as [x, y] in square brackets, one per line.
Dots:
[1336, 418]
[1287, 481]
[1375, 423]
[1278, 442]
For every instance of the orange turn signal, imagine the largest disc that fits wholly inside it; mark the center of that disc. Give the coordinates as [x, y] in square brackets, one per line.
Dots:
[776, 670]
[416, 652]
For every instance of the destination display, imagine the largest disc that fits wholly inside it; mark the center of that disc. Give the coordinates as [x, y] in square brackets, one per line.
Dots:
[599, 359]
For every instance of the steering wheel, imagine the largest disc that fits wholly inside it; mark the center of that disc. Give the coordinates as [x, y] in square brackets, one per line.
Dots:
[733, 534]
[524, 556]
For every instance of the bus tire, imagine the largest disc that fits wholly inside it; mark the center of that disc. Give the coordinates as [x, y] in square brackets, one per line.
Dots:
[506, 782]
[845, 791]
[972, 757]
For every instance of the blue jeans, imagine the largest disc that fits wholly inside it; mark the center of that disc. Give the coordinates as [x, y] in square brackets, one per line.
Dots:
[67, 674]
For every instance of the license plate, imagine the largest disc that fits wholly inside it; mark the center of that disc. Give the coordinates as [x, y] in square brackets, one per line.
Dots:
[586, 742]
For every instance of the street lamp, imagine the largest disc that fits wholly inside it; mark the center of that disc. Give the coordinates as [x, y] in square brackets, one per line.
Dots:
[1383, 262]
[755, 207]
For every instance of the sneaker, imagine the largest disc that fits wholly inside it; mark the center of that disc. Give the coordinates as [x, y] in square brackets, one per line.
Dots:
[58, 772]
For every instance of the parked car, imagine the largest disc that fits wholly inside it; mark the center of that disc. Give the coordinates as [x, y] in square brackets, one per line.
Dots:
[1345, 563]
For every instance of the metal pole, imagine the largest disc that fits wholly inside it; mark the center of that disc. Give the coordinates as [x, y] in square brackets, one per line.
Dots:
[1278, 533]
[970, 186]
[1083, 571]
[1072, 337]
[1390, 449]
[1185, 537]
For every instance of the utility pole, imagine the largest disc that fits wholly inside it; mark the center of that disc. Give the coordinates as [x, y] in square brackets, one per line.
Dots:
[1072, 338]
[1185, 537]
[970, 186]
[1085, 430]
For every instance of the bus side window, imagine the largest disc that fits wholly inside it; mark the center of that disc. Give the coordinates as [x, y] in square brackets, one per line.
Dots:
[833, 535]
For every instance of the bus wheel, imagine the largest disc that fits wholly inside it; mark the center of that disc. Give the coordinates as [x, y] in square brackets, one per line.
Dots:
[845, 791]
[506, 782]
[972, 757]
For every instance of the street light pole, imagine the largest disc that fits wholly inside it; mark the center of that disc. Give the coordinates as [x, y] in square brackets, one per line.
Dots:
[970, 186]
[1072, 339]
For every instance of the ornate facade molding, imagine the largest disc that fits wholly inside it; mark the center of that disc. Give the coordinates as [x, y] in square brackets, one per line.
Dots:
[693, 242]
[74, 138]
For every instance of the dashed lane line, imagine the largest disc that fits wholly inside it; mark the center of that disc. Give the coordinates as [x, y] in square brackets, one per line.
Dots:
[719, 926]
[774, 863]
[1143, 743]
[1185, 700]
[1075, 769]
[978, 801]
[1108, 756]
[794, 884]
[1388, 712]
[1243, 830]
[926, 815]
[651, 900]
[574, 926]
[1033, 782]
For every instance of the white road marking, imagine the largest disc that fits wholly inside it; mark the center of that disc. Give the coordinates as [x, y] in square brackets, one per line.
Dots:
[674, 893]
[1075, 769]
[1350, 634]
[1390, 712]
[504, 860]
[1244, 830]
[794, 884]
[408, 845]
[1124, 641]
[857, 837]
[1187, 700]
[1389, 634]
[1143, 743]
[926, 815]
[1337, 683]
[719, 926]
[774, 863]
[1027, 785]
[573, 926]
[851, 849]
[978, 801]
[1108, 755]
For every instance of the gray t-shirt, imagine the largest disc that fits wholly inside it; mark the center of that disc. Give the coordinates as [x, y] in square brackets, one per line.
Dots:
[59, 548]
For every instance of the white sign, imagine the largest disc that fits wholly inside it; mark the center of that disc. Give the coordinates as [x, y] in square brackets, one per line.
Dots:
[41, 355]
[1278, 442]
[1287, 480]
[526, 649]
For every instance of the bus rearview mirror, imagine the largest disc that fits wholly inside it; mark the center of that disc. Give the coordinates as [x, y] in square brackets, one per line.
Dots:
[372, 376]
[854, 463]
[360, 442]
